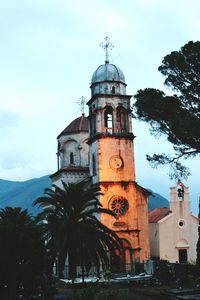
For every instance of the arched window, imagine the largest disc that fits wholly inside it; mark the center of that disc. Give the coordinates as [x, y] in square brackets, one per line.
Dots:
[121, 119]
[94, 123]
[108, 119]
[71, 158]
[113, 90]
[180, 191]
[92, 118]
[94, 169]
[70, 153]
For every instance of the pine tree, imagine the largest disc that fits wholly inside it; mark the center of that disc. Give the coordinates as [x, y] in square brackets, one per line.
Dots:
[175, 116]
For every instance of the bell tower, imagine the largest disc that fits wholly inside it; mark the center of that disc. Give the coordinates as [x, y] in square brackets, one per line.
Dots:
[111, 152]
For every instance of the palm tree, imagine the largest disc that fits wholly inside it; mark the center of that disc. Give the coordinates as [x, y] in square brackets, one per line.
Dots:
[74, 232]
[22, 251]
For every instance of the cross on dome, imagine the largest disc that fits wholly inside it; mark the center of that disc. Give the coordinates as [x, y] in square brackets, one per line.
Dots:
[81, 102]
[106, 45]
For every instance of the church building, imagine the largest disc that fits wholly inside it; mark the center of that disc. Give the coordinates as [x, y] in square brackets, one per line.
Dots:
[174, 230]
[100, 148]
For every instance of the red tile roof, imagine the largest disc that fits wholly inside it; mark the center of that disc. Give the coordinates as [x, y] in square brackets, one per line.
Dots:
[78, 125]
[158, 213]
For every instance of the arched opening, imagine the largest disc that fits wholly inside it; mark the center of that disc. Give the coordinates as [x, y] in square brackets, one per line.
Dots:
[92, 120]
[108, 119]
[122, 262]
[70, 154]
[71, 158]
[84, 152]
[113, 90]
[126, 255]
[180, 191]
[121, 119]
[94, 129]
[94, 169]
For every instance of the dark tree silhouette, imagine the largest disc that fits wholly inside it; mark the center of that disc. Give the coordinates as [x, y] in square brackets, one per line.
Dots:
[74, 233]
[22, 253]
[176, 116]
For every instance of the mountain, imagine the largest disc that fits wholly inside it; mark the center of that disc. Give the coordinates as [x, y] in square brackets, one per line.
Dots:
[157, 201]
[23, 193]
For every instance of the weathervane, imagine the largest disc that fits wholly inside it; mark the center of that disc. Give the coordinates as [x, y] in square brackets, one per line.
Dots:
[81, 102]
[106, 45]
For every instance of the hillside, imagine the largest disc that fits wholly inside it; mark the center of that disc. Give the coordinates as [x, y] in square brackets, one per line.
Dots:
[157, 201]
[23, 193]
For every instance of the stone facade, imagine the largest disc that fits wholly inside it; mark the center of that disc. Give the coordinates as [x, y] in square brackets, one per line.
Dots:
[72, 155]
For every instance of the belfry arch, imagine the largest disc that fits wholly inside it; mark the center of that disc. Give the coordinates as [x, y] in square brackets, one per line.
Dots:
[108, 119]
[121, 119]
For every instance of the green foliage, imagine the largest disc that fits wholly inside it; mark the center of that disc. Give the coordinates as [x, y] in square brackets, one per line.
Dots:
[170, 273]
[96, 292]
[164, 272]
[87, 293]
[73, 229]
[112, 294]
[176, 116]
[182, 273]
[118, 292]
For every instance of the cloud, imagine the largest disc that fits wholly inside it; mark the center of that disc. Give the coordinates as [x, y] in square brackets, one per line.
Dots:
[8, 120]
[13, 158]
[48, 53]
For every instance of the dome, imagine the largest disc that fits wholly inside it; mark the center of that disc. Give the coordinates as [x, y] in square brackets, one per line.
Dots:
[108, 72]
[80, 124]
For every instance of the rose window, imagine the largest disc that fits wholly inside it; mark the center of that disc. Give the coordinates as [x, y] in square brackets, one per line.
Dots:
[119, 205]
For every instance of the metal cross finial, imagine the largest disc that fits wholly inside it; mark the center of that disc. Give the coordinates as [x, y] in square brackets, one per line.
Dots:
[81, 102]
[106, 45]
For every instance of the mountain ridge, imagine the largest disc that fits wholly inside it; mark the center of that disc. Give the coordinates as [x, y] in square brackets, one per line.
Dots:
[23, 193]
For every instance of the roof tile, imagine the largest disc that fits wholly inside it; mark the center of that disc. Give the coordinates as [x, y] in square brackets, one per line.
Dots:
[158, 213]
[77, 125]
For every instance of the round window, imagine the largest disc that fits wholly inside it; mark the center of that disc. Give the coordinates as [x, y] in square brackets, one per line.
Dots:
[119, 205]
[181, 223]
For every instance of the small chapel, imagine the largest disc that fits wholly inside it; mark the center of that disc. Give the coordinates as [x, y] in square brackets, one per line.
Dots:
[99, 148]
[174, 231]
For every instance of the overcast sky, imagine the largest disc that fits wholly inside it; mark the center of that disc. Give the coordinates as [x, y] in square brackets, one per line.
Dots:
[49, 51]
